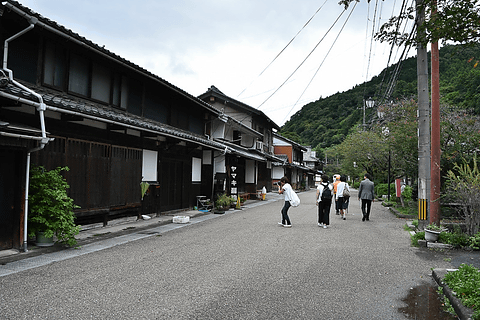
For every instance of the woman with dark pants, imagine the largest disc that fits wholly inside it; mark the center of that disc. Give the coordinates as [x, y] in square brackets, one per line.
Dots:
[342, 202]
[285, 188]
[324, 203]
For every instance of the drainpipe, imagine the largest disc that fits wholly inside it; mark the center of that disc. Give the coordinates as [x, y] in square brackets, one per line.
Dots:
[41, 107]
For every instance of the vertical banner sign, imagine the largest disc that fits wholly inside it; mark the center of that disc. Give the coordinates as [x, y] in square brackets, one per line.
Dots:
[398, 187]
[233, 182]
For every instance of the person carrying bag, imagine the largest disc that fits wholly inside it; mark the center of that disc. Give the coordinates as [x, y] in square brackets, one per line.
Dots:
[291, 198]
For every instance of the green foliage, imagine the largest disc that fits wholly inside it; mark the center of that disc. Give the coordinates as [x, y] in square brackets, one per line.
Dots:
[474, 241]
[224, 201]
[463, 183]
[417, 236]
[465, 282]
[382, 189]
[457, 238]
[51, 209]
[415, 223]
[407, 193]
[433, 227]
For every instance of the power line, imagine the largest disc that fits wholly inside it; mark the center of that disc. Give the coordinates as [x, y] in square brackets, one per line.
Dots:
[284, 48]
[304, 59]
[314, 75]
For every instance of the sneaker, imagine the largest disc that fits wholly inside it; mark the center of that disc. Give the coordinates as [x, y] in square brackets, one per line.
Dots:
[287, 225]
[320, 224]
[344, 217]
[280, 224]
[324, 226]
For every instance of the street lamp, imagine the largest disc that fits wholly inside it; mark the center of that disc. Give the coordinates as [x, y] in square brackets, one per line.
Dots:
[369, 103]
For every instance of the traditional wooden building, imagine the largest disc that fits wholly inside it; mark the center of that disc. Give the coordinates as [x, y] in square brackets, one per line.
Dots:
[293, 165]
[249, 135]
[65, 101]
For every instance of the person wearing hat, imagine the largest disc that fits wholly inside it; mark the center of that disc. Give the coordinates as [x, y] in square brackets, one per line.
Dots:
[335, 184]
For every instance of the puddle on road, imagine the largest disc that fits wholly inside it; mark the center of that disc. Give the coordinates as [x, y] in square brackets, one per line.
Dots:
[424, 303]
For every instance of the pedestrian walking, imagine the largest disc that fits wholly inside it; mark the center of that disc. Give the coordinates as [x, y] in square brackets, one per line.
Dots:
[342, 197]
[286, 189]
[336, 181]
[324, 201]
[366, 193]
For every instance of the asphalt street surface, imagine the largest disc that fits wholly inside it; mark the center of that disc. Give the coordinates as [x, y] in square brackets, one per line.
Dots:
[241, 265]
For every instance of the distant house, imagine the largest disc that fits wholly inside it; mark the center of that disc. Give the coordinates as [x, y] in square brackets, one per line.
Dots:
[248, 133]
[293, 166]
[65, 101]
[314, 164]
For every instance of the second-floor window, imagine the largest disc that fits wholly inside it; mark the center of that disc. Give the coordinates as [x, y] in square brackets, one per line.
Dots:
[77, 74]
[55, 66]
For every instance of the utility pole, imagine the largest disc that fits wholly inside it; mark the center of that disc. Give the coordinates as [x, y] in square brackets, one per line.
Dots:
[434, 212]
[423, 119]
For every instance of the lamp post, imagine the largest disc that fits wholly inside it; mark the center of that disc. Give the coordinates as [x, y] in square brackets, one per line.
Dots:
[369, 103]
[386, 131]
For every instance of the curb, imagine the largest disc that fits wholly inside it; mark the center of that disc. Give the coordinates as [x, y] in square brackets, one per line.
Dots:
[463, 312]
[97, 232]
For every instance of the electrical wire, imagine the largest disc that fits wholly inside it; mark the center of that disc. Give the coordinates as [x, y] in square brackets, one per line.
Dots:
[306, 58]
[283, 48]
[321, 64]
[371, 46]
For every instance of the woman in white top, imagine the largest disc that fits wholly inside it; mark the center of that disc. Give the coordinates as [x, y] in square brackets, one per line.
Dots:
[342, 202]
[285, 188]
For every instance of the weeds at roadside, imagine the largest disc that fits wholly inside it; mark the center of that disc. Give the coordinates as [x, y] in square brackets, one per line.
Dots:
[465, 284]
[447, 305]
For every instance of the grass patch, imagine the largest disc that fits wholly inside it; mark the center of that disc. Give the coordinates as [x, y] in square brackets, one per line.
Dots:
[417, 236]
[465, 283]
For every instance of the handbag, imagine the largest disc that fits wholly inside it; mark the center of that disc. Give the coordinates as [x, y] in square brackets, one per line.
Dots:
[346, 192]
[295, 202]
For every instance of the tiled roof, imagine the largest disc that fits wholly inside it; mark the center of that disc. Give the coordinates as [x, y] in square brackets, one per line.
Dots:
[108, 114]
[214, 91]
[93, 46]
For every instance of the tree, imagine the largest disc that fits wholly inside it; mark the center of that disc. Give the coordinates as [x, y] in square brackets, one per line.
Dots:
[457, 21]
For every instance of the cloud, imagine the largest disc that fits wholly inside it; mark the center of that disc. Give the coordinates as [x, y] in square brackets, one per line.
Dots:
[227, 43]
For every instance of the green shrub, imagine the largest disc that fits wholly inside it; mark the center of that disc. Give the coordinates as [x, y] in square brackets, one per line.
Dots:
[415, 223]
[382, 189]
[456, 238]
[465, 282]
[417, 236]
[51, 209]
[407, 193]
[474, 242]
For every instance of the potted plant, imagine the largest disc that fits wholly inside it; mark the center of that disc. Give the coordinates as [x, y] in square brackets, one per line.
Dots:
[223, 203]
[51, 209]
[432, 231]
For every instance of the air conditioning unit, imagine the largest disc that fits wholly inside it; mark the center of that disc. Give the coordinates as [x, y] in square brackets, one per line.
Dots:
[259, 145]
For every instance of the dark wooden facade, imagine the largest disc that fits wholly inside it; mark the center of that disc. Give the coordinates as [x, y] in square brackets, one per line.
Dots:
[103, 113]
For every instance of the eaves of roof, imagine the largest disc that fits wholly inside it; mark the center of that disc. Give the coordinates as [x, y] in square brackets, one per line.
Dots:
[53, 26]
[105, 114]
[213, 91]
[278, 136]
[241, 127]
[242, 151]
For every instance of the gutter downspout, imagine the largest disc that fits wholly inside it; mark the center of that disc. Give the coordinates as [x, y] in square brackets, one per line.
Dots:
[40, 108]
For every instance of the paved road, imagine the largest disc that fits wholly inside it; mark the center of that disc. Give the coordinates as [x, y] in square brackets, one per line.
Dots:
[237, 266]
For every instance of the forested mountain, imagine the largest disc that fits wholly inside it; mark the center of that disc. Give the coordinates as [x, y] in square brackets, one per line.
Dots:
[328, 121]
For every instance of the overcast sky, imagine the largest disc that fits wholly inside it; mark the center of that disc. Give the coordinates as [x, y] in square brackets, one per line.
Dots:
[227, 43]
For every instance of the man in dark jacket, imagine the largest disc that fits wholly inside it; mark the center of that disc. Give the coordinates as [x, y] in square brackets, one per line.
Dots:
[366, 193]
